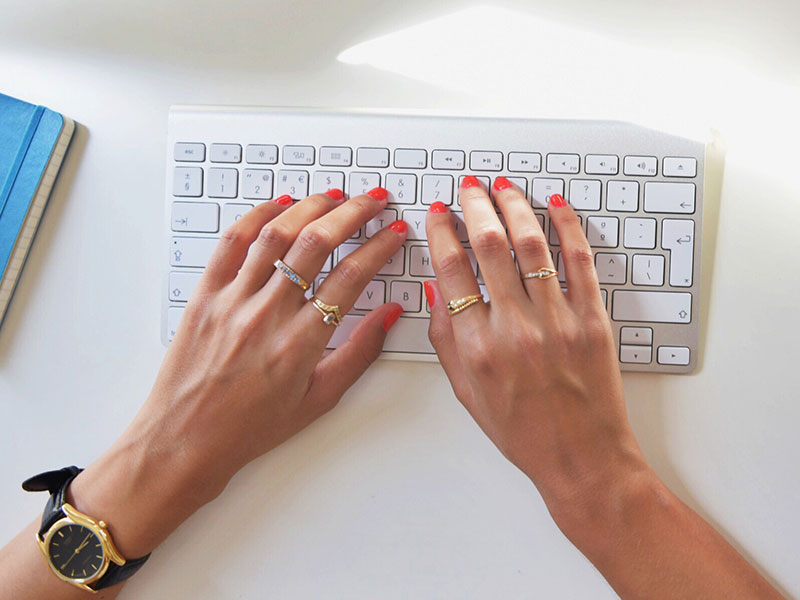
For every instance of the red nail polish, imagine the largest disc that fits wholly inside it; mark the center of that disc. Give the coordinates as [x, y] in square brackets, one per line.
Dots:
[501, 183]
[557, 200]
[399, 227]
[335, 194]
[470, 181]
[430, 295]
[378, 194]
[284, 200]
[391, 318]
[438, 207]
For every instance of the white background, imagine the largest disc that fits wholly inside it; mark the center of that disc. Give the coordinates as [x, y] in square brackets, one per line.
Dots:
[397, 494]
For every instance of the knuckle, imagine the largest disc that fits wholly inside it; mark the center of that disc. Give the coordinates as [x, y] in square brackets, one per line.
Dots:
[232, 237]
[490, 240]
[314, 237]
[454, 263]
[580, 256]
[350, 271]
[532, 242]
[274, 235]
[437, 333]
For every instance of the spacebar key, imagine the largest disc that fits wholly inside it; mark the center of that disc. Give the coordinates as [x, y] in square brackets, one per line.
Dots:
[407, 335]
[657, 307]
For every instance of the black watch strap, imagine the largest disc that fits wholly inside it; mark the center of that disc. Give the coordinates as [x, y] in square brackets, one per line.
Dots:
[56, 482]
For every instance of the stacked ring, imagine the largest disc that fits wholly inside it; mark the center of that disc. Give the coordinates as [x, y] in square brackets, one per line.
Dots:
[290, 274]
[330, 312]
[456, 306]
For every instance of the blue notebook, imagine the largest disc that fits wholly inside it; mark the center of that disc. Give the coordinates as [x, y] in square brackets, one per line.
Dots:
[33, 141]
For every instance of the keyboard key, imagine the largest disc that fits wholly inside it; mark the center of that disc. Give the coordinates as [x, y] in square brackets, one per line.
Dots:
[601, 164]
[409, 334]
[189, 152]
[677, 236]
[611, 268]
[232, 213]
[643, 166]
[373, 295]
[673, 355]
[402, 187]
[622, 196]
[361, 183]
[437, 188]
[416, 224]
[521, 183]
[660, 197]
[257, 184]
[636, 336]
[543, 188]
[679, 167]
[584, 194]
[524, 162]
[195, 216]
[381, 220]
[481, 160]
[174, 314]
[292, 183]
[226, 153]
[486, 184]
[335, 156]
[372, 157]
[298, 155]
[407, 294]
[648, 269]
[452, 160]
[658, 307]
[640, 233]
[603, 232]
[420, 262]
[222, 183]
[563, 163]
[182, 284]
[636, 354]
[187, 182]
[396, 265]
[327, 180]
[345, 250]
[460, 227]
[261, 154]
[191, 251]
[410, 158]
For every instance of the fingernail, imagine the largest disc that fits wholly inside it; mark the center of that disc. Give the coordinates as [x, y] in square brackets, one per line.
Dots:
[284, 200]
[429, 293]
[399, 227]
[501, 183]
[557, 200]
[391, 318]
[469, 181]
[378, 193]
[438, 207]
[335, 194]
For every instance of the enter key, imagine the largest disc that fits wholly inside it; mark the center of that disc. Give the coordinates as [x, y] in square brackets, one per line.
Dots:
[677, 236]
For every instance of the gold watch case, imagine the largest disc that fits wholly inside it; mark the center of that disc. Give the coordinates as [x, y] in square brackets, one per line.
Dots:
[99, 528]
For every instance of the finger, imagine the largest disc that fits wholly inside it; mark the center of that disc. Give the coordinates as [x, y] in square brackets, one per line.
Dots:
[350, 276]
[341, 368]
[489, 241]
[230, 253]
[277, 236]
[529, 242]
[319, 238]
[581, 277]
[454, 271]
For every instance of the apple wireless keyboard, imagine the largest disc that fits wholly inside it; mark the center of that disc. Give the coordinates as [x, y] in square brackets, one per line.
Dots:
[639, 194]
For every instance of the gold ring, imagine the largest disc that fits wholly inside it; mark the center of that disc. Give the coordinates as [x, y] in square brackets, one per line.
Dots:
[543, 273]
[290, 274]
[456, 306]
[330, 312]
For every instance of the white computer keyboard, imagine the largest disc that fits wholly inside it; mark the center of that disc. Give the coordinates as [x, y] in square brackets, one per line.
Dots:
[639, 193]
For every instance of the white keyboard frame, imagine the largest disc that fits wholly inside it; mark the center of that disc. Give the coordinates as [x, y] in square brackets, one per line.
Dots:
[355, 129]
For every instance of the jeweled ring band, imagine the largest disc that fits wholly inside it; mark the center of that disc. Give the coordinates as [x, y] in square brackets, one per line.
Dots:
[456, 306]
[543, 273]
[330, 312]
[289, 273]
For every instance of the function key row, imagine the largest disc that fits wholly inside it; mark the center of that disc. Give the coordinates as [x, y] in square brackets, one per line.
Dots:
[446, 160]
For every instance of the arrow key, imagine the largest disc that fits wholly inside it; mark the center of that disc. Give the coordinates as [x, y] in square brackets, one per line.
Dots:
[636, 336]
[635, 354]
[673, 355]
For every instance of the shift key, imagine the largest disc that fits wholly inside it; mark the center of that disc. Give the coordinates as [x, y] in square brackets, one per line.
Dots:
[191, 251]
[656, 307]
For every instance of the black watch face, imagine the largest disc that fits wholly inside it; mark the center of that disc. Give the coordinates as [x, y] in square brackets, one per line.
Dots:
[76, 551]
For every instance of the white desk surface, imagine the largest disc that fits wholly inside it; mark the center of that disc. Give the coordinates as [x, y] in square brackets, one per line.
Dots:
[397, 494]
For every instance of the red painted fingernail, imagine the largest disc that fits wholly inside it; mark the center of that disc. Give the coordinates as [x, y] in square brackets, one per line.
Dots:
[470, 181]
[284, 200]
[399, 226]
[429, 293]
[378, 193]
[557, 200]
[501, 183]
[438, 207]
[335, 194]
[391, 318]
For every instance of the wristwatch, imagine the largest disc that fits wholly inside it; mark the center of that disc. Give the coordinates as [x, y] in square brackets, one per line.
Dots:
[78, 548]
